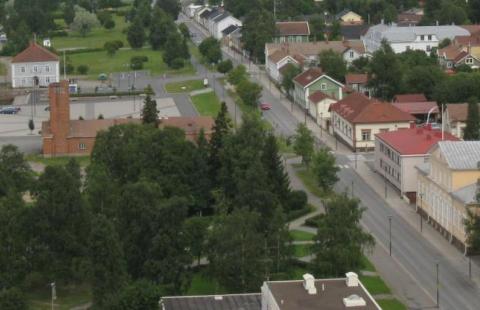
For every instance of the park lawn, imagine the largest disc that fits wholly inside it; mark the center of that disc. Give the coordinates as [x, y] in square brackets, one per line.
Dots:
[207, 104]
[99, 62]
[203, 285]
[67, 297]
[94, 39]
[308, 179]
[300, 235]
[301, 250]
[184, 86]
[3, 69]
[391, 304]
[375, 285]
[367, 264]
[83, 161]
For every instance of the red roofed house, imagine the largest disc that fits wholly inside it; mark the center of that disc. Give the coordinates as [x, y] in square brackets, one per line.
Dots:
[295, 31]
[410, 98]
[358, 82]
[425, 111]
[357, 119]
[35, 62]
[62, 136]
[397, 153]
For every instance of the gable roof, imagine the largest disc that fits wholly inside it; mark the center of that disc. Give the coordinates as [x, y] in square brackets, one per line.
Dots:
[356, 78]
[309, 49]
[410, 98]
[414, 141]
[458, 111]
[293, 28]
[461, 155]
[345, 12]
[221, 17]
[318, 96]
[205, 13]
[34, 53]
[308, 76]
[357, 108]
[229, 30]
[417, 107]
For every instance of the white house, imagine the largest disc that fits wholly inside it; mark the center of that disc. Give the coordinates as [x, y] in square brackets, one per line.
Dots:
[201, 13]
[278, 60]
[222, 22]
[401, 39]
[35, 63]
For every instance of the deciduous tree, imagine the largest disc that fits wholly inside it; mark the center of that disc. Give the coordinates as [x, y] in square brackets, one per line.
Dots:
[324, 169]
[304, 142]
[136, 34]
[333, 65]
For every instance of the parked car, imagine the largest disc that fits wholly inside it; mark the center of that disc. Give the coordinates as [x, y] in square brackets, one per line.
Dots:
[265, 106]
[9, 110]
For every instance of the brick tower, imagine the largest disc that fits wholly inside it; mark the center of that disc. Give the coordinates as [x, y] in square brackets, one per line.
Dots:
[59, 116]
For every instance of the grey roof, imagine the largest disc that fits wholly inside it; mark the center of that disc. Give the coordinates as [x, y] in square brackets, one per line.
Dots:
[221, 17]
[205, 13]
[229, 30]
[461, 155]
[467, 194]
[213, 302]
[423, 168]
[214, 13]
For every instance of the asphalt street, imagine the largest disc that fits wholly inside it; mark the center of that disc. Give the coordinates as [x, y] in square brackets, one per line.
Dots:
[416, 256]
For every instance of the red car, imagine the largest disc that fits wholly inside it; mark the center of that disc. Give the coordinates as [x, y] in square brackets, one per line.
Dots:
[265, 106]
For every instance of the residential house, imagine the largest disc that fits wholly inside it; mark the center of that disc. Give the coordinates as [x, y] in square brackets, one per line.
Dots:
[294, 31]
[410, 98]
[411, 17]
[358, 82]
[306, 294]
[35, 65]
[352, 32]
[463, 50]
[207, 17]
[311, 80]
[222, 22]
[423, 111]
[319, 108]
[401, 39]
[215, 15]
[447, 187]
[357, 119]
[278, 60]
[62, 136]
[347, 17]
[191, 9]
[201, 14]
[398, 152]
[456, 115]
[227, 35]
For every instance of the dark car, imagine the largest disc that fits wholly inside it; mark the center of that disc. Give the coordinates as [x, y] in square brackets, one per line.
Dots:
[9, 110]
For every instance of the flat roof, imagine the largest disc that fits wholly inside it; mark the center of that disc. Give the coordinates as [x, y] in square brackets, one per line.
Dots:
[213, 302]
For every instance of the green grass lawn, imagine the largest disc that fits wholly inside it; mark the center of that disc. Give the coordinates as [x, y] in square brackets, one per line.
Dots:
[375, 285]
[300, 235]
[207, 104]
[308, 179]
[184, 86]
[203, 285]
[100, 62]
[301, 250]
[367, 264]
[391, 304]
[3, 69]
[83, 161]
[67, 297]
[95, 39]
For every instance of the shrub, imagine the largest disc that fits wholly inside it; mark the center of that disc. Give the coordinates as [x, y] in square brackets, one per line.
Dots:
[119, 44]
[297, 200]
[109, 24]
[136, 62]
[177, 63]
[82, 69]
[58, 33]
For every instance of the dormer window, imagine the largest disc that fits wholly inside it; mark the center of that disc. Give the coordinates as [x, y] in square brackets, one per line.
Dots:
[323, 86]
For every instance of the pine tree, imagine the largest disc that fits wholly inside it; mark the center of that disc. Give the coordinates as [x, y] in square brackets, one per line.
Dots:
[136, 34]
[150, 112]
[221, 130]
[202, 183]
[472, 130]
[276, 174]
[107, 260]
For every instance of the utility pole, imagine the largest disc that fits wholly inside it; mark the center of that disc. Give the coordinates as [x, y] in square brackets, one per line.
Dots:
[275, 10]
[64, 66]
[438, 285]
[390, 234]
[420, 212]
[54, 292]
[352, 189]
[470, 267]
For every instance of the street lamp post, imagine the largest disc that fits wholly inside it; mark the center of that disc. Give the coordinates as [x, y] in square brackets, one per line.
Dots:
[352, 189]
[438, 284]
[385, 177]
[390, 235]
[321, 123]
[420, 212]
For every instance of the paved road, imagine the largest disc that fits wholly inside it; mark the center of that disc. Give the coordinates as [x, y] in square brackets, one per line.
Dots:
[410, 250]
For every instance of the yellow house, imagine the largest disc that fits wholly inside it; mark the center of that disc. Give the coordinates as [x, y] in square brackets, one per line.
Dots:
[447, 187]
[347, 17]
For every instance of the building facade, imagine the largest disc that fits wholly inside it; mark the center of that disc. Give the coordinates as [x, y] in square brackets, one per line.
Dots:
[306, 83]
[292, 32]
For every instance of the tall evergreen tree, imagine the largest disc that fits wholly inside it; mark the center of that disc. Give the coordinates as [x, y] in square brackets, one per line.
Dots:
[160, 28]
[221, 130]
[472, 224]
[150, 112]
[472, 130]
[107, 261]
[276, 174]
[202, 185]
[136, 34]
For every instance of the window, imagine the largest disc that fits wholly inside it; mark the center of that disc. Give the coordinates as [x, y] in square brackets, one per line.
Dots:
[429, 37]
[351, 54]
[469, 60]
[47, 69]
[422, 37]
[22, 69]
[47, 79]
[366, 134]
[35, 69]
[449, 64]
[323, 86]
[429, 48]
[82, 146]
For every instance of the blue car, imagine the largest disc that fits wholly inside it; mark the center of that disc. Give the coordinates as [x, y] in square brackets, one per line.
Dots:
[9, 110]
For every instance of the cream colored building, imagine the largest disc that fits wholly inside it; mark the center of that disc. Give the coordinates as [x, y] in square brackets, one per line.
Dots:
[319, 108]
[447, 186]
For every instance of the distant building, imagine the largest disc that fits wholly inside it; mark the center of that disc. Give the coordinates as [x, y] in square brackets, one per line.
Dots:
[62, 136]
[411, 17]
[319, 108]
[35, 65]
[358, 82]
[398, 152]
[410, 98]
[294, 31]
[306, 294]
[447, 187]
[347, 17]
[423, 111]
[456, 118]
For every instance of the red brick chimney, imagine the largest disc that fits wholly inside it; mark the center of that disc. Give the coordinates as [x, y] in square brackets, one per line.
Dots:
[59, 116]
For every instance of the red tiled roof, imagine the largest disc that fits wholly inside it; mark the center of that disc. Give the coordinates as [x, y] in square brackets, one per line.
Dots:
[319, 96]
[308, 76]
[293, 28]
[409, 18]
[417, 107]
[450, 52]
[34, 53]
[410, 98]
[357, 108]
[473, 40]
[413, 141]
[356, 78]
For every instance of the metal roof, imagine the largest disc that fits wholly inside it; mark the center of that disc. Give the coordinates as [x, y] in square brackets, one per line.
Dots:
[213, 302]
[461, 155]
[467, 194]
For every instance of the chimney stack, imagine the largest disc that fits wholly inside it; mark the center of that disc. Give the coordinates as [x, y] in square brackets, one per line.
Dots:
[309, 284]
[352, 279]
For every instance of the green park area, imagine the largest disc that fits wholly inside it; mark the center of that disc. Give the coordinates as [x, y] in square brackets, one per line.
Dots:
[300, 235]
[391, 304]
[207, 104]
[184, 86]
[67, 297]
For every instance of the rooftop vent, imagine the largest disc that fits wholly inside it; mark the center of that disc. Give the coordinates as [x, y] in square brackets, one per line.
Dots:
[309, 284]
[354, 301]
[218, 297]
[352, 279]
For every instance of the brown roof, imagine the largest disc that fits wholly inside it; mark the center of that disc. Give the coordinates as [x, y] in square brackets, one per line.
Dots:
[409, 18]
[417, 107]
[473, 29]
[293, 296]
[277, 56]
[450, 52]
[410, 98]
[473, 40]
[308, 76]
[357, 108]
[191, 125]
[319, 96]
[293, 28]
[356, 78]
[309, 49]
[457, 112]
[357, 45]
[35, 53]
